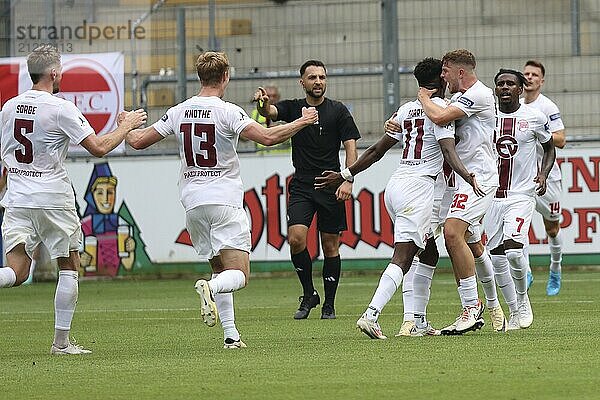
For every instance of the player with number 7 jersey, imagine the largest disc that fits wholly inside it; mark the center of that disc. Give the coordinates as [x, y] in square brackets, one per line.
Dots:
[519, 129]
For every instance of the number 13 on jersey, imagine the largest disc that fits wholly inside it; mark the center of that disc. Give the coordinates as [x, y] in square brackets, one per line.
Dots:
[204, 153]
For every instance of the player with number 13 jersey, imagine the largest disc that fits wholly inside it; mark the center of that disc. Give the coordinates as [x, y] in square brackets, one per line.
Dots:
[207, 130]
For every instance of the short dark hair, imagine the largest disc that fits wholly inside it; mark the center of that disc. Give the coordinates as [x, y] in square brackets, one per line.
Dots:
[460, 56]
[314, 63]
[428, 71]
[537, 64]
[520, 77]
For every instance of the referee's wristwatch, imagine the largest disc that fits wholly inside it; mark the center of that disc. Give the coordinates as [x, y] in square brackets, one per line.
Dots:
[347, 175]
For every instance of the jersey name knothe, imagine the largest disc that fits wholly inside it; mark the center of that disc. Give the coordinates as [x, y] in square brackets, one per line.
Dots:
[195, 113]
[26, 109]
[23, 172]
[202, 173]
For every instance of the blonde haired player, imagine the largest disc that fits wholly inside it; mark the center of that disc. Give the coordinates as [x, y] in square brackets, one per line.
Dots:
[40, 204]
[409, 196]
[472, 108]
[207, 130]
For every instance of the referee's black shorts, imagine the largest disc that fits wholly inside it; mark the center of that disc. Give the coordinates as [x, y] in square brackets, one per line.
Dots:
[304, 201]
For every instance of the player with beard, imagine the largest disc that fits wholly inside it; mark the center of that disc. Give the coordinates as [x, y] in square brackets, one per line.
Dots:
[520, 129]
[40, 203]
[315, 149]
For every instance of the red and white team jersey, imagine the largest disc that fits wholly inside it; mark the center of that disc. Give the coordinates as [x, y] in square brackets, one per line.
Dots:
[474, 133]
[421, 154]
[550, 110]
[516, 138]
[207, 130]
[36, 130]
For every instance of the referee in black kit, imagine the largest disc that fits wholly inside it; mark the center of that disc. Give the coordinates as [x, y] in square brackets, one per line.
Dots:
[315, 149]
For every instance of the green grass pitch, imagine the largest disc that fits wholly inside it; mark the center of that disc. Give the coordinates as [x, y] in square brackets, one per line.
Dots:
[148, 342]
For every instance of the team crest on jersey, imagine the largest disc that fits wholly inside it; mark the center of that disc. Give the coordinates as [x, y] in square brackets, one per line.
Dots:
[465, 101]
[506, 146]
[164, 118]
[523, 125]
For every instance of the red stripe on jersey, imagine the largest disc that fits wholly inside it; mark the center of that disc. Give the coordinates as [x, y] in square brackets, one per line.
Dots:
[505, 165]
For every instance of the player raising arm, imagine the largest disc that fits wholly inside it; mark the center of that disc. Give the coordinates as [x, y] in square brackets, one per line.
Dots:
[207, 130]
[40, 204]
[409, 193]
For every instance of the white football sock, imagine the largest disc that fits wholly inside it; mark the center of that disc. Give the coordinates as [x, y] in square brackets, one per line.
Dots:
[526, 255]
[227, 281]
[226, 312]
[505, 281]
[65, 300]
[485, 275]
[518, 268]
[7, 277]
[555, 252]
[407, 292]
[422, 291]
[467, 289]
[390, 281]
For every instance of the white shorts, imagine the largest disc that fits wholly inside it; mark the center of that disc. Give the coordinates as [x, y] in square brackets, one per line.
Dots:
[59, 230]
[213, 228]
[469, 207]
[509, 218]
[441, 207]
[549, 204]
[409, 202]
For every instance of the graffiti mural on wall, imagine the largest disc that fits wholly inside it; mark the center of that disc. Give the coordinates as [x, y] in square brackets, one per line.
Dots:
[112, 242]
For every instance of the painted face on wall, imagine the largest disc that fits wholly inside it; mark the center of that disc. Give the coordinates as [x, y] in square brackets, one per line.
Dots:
[104, 197]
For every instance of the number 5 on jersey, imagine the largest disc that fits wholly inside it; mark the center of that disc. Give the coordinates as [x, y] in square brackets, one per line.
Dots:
[22, 128]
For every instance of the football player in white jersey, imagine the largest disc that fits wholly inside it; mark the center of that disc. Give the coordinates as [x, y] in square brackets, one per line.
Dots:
[40, 204]
[549, 204]
[207, 130]
[520, 128]
[408, 194]
[472, 107]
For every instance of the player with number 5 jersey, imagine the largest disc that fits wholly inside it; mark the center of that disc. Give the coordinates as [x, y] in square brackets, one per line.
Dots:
[211, 191]
[40, 203]
[520, 128]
